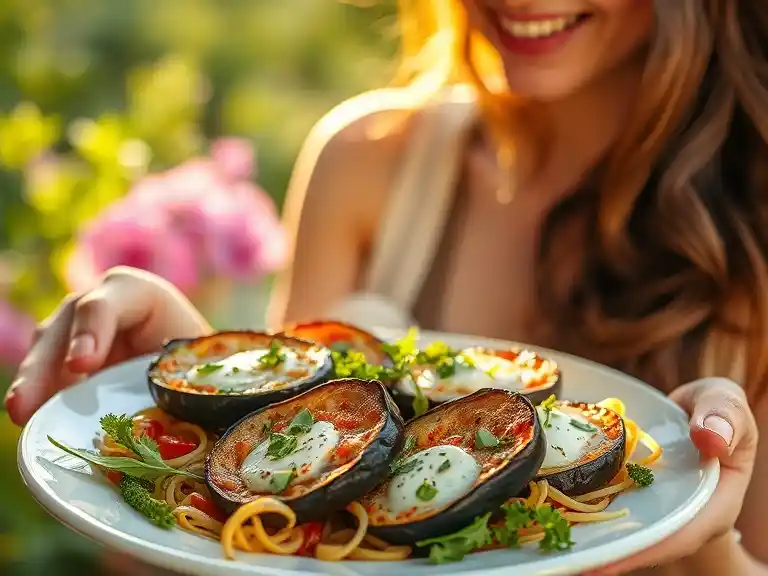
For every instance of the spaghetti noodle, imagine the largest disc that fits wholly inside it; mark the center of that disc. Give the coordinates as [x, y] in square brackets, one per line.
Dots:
[190, 501]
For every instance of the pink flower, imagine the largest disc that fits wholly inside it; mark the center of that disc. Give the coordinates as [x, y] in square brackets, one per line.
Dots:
[201, 218]
[142, 239]
[234, 158]
[16, 333]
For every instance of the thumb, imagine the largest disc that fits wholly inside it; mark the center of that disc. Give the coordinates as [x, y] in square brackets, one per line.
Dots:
[120, 303]
[722, 425]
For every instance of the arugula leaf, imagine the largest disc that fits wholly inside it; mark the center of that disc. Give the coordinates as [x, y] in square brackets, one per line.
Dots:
[129, 466]
[301, 423]
[281, 445]
[453, 547]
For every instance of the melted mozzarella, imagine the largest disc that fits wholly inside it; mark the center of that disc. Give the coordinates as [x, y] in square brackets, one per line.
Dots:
[452, 481]
[568, 443]
[310, 459]
[243, 371]
[488, 371]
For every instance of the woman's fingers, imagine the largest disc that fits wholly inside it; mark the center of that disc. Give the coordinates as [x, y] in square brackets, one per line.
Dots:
[40, 375]
[722, 424]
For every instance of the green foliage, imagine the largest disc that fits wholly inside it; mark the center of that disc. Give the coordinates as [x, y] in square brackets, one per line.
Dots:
[94, 94]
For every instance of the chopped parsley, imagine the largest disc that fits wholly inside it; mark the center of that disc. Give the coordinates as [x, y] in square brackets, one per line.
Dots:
[584, 426]
[444, 466]
[274, 357]
[516, 516]
[426, 491]
[209, 368]
[485, 439]
[405, 467]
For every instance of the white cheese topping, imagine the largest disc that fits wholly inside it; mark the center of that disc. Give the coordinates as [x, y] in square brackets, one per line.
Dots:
[432, 479]
[313, 452]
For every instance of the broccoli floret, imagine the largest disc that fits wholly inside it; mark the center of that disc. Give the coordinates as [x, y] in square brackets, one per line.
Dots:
[641, 475]
[136, 494]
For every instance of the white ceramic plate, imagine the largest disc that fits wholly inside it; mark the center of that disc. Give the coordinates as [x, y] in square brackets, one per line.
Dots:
[90, 506]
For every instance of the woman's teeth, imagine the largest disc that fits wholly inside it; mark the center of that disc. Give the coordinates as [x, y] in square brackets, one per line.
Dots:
[536, 28]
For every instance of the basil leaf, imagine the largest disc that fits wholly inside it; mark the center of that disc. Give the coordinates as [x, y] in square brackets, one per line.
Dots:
[484, 439]
[281, 479]
[301, 423]
[281, 445]
[426, 492]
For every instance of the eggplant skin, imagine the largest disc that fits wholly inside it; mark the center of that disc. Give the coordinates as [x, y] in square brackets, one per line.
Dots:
[487, 497]
[217, 412]
[369, 471]
[596, 473]
[405, 401]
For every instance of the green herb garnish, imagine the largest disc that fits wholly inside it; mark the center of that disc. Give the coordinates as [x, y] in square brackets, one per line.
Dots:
[484, 439]
[395, 466]
[301, 423]
[209, 368]
[548, 406]
[267, 427]
[444, 466]
[516, 516]
[152, 468]
[136, 493]
[426, 492]
[586, 427]
[273, 357]
[420, 402]
[453, 547]
[640, 475]
[281, 479]
[405, 467]
[557, 532]
[281, 445]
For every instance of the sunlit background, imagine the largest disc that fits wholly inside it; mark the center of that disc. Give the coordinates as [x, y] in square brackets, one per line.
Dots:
[136, 131]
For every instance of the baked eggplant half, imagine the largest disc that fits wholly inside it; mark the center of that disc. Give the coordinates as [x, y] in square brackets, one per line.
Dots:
[316, 452]
[342, 337]
[461, 460]
[443, 374]
[215, 380]
[586, 445]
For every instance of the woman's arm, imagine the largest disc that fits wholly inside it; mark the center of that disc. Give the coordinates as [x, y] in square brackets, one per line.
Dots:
[336, 197]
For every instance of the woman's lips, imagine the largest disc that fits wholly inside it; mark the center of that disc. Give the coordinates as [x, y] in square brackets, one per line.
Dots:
[536, 34]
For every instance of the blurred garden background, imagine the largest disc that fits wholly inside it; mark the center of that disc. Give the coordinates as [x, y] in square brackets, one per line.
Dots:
[137, 131]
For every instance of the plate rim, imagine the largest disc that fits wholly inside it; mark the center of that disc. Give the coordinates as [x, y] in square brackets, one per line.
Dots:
[163, 556]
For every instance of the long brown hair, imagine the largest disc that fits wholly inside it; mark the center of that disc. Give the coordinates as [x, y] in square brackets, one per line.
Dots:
[677, 262]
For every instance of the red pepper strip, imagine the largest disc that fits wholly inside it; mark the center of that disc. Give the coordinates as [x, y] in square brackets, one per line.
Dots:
[208, 506]
[172, 447]
[313, 532]
[114, 476]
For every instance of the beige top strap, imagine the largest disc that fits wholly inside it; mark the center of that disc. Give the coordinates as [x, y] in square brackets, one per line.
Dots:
[420, 202]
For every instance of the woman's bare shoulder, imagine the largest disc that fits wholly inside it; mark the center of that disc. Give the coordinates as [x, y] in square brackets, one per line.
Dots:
[351, 157]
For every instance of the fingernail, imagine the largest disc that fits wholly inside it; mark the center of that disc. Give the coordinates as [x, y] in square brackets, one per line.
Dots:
[719, 426]
[81, 345]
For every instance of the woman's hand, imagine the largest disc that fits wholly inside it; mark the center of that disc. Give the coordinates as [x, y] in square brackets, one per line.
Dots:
[723, 427]
[128, 314]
